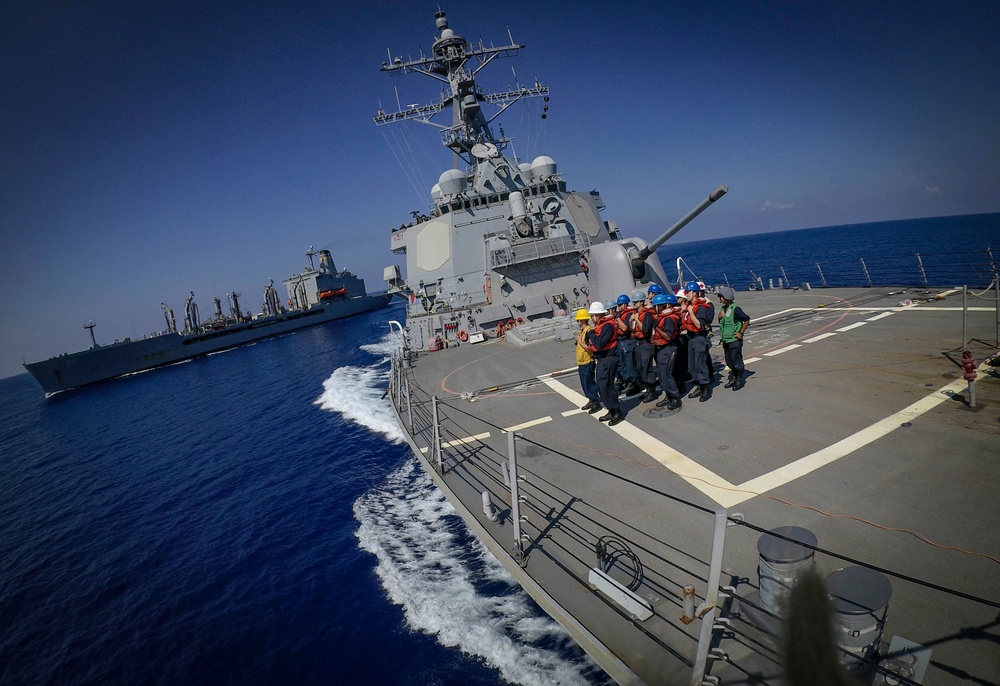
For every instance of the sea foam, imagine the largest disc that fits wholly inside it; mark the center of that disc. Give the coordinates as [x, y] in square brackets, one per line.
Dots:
[438, 579]
[356, 393]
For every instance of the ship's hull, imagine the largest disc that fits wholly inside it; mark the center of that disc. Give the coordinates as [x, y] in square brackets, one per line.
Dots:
[74, 370]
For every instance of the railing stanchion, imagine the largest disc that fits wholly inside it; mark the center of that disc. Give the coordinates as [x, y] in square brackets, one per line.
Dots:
[515, 504]
[436, 446]
[923, 274]
[709, 610]
[865, 267]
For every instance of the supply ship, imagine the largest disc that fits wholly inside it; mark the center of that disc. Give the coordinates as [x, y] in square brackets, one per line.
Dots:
[862, 451]
[315, 296]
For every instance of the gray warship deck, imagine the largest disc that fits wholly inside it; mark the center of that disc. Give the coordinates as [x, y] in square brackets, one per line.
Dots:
[854, 424]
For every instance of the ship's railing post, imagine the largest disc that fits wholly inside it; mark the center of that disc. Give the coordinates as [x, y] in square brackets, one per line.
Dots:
[867, 277]
[965, 316]
[515, 502]
[996, 305]
[821, 277]
[409, 405]
[709, 610]
[923, 274]
[436, 447]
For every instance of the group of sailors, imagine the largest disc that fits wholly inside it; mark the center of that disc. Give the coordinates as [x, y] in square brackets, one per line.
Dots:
[633, 345]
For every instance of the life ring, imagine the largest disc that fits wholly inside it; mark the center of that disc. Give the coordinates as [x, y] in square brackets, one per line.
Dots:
[463, 335]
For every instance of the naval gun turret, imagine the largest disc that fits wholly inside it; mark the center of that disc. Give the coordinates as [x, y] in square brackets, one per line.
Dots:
[622, 266]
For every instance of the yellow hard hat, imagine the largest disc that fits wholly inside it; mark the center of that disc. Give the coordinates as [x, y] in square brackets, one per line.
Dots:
[582, 315]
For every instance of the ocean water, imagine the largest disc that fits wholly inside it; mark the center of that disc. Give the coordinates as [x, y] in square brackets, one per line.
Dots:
[253, 517]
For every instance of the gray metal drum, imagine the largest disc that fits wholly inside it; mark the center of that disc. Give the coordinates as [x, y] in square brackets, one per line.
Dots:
[781, 561]
[860, 599]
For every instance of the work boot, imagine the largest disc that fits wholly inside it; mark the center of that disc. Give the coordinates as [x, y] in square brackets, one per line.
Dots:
[594, 407]
[740, 383]
[617, 419]
[731, 381]
[696, 391]
[590, 405]
[649, 396]
[607, 416]
[674, 404]
[706, 393]
[632, 389]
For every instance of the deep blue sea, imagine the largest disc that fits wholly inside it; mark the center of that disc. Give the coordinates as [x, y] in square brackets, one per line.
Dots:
[253, 517]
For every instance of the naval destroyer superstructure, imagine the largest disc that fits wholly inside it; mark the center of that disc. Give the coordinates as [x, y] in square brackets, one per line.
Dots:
[669, 545]
[315, 295]
[504, 242]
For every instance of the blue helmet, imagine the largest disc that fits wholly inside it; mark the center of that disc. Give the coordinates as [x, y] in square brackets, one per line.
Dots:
[623, 299]
[693, 286]
[659, 299]
[654, 289]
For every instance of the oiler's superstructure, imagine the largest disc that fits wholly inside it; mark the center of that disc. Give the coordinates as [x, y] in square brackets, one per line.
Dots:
[505, 242]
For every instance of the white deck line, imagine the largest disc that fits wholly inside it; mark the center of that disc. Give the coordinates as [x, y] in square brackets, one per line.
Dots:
[793, 346]
[852, 326]
[533, 422]
[880, 316]
[752, 359]
[820, 337]
[570, 413]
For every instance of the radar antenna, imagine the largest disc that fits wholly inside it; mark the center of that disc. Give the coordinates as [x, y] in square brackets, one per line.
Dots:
[448, 63]
[89, 326]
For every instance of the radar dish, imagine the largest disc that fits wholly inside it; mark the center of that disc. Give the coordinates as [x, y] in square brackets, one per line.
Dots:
[482, 151]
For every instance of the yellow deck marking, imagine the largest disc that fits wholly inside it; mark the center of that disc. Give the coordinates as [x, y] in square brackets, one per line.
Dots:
[819, 338]
[533, 422]
[851, 326]
[466, 440]
[846, 446]
[726, 494]
[705, 480]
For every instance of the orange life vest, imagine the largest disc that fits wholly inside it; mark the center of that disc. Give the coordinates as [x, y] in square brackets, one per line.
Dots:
[636, 324]
[690, 322]
[625, 318]
[599, 330]
[661, 318]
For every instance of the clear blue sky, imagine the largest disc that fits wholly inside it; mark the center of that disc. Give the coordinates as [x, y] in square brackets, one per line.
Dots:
[150, 149]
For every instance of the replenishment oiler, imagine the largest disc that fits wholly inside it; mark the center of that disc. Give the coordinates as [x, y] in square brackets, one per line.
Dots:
[315, 296]
[831, 522]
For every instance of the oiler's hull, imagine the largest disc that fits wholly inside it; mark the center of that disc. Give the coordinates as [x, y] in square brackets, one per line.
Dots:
[74, 370]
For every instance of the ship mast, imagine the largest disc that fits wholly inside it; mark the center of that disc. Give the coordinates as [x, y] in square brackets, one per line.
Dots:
[449, 64]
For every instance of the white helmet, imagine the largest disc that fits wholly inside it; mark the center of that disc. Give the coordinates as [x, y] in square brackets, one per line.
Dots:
[597, 308]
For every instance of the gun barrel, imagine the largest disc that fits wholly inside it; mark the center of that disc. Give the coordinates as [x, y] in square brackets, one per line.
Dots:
[683, 221]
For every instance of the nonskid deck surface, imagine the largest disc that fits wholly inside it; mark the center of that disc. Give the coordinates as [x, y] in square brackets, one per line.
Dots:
[854, 424]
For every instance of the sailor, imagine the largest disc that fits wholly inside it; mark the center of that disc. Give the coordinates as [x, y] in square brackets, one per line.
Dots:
[696, 321]
[585, 363]
[665, 335]
[642, 329]
[733, 322]
[626, 345]
[602, 341]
